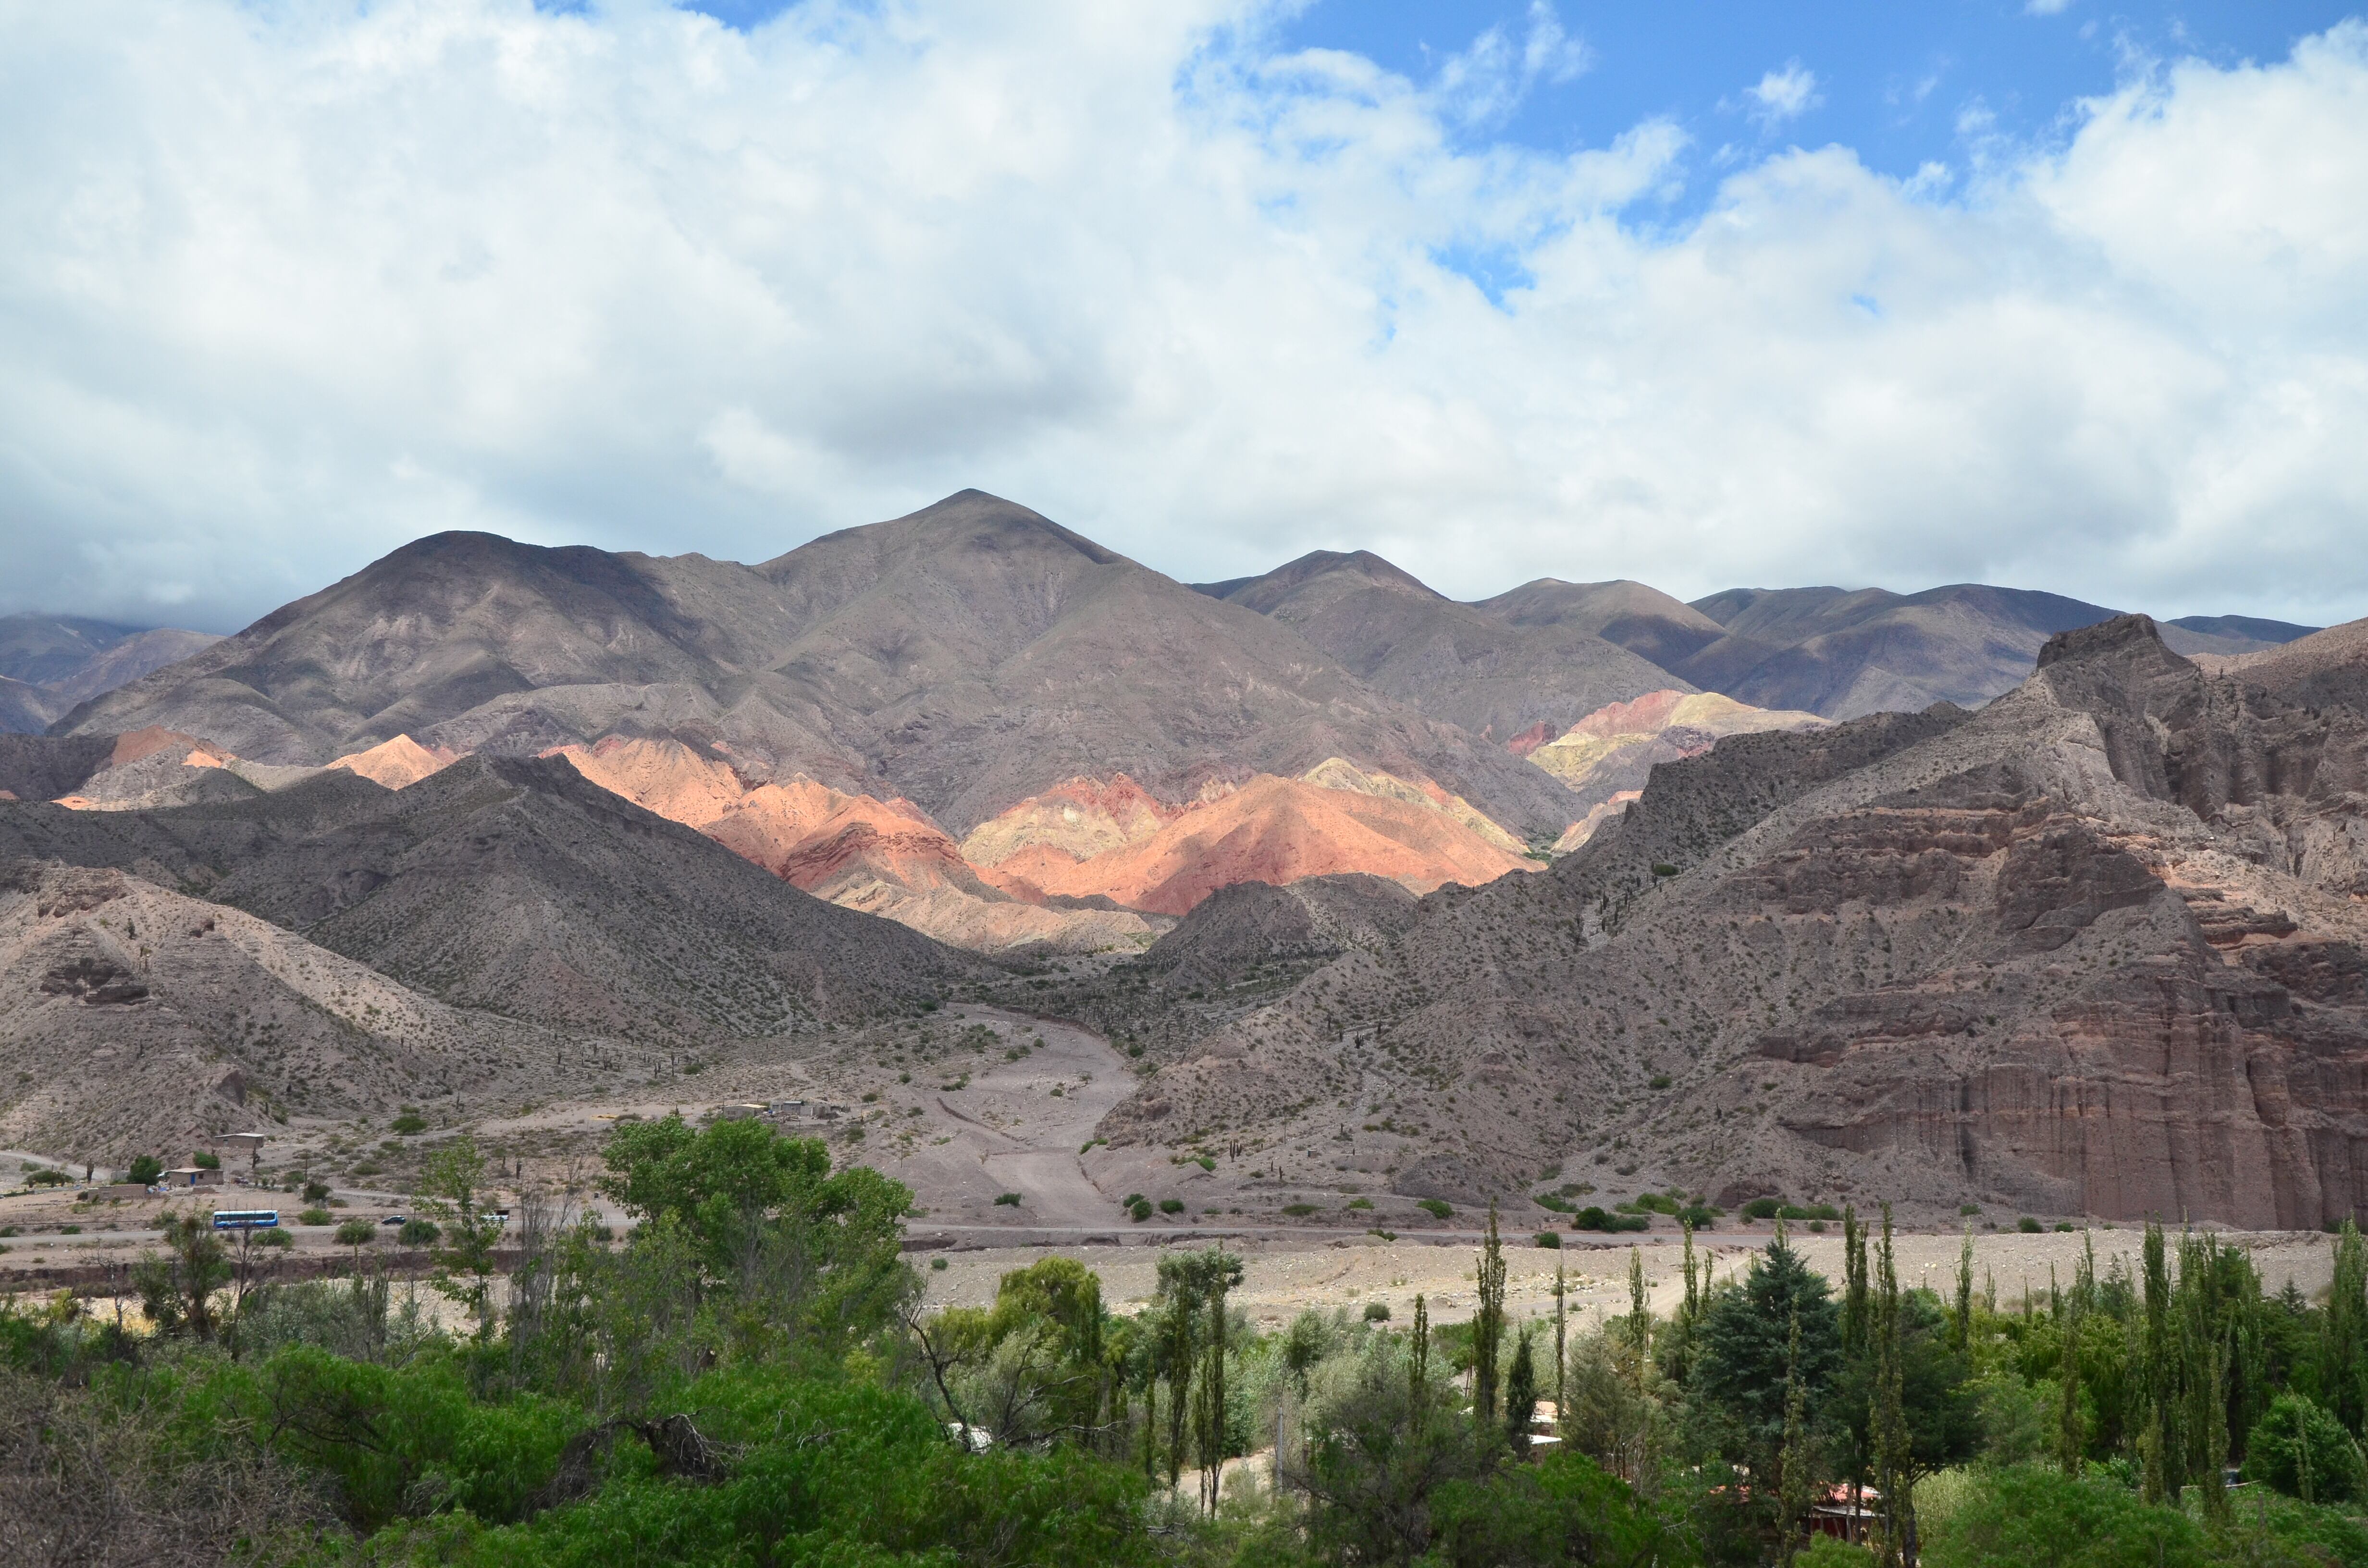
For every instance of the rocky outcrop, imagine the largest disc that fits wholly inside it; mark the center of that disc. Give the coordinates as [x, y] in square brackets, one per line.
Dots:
[2094, 951]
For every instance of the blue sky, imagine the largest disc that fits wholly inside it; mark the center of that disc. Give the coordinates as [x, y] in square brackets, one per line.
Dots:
[1901, 84]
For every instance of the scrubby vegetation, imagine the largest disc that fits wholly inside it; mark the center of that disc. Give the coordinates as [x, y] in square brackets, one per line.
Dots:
[747, 1379]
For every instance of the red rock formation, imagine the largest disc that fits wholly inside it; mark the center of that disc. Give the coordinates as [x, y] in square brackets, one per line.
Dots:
[1272, 830]
[883, 857]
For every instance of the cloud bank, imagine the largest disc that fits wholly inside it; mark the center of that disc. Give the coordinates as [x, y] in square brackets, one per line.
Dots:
[289, 284]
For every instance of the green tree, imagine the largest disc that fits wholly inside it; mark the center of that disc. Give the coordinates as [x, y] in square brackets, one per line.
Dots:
[1743, 1354]
[146, 1169]
[1520, 1393]
[1487, 1325]
[176, 1288]
[454, 1184]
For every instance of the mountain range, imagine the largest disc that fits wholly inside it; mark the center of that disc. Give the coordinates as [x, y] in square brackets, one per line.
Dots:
[49, 663]
[1803, 890]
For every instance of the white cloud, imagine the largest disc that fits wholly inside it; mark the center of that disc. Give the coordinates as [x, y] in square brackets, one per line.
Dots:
[1783, 94]
[2045, 8]
[285, 286]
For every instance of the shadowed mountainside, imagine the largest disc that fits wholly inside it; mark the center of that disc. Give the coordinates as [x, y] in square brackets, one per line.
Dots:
[49, 663]
[1491, 675]
[515, 885]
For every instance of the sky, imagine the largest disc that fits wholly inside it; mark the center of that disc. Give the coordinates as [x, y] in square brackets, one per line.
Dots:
[2049, 293]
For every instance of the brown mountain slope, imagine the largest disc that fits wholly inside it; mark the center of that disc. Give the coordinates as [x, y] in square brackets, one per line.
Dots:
[1842, 653]
[1645, 621]
[516, 886]
[1460, 665]
[2094, 950]
[140, 1021]
[966, 657]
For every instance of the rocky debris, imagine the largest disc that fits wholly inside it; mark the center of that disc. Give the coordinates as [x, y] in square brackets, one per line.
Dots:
[138, 1021]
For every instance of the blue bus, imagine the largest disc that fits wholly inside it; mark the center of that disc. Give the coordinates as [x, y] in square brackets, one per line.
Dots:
[245, 1218]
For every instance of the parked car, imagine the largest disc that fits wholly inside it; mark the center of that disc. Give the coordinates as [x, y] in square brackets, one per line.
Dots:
[394, 1219]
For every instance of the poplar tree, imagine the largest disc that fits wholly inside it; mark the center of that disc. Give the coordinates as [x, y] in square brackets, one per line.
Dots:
[1418, 1363]
[1960, 1327]
[2343, 1372]
[1893, 1457]
[1854, 1302]
[1640, 1318]
[1487, 1325]
[1793, 1493]
[1562, 1328]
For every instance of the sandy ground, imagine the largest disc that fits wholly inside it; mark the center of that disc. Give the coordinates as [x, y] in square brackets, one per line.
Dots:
[1283, 1277]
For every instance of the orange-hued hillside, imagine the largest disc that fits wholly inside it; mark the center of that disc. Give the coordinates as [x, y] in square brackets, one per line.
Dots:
[883, 857]
[398, 763]
[1270, 830]
[1080, 818]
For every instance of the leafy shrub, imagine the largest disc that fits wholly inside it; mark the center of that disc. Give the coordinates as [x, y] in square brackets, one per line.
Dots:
[1663, 869]
[1006, 1200]
[275, 1236]
[1967, 1211]
[1655, 1203]
[206, 1160]
[315, 1217]
[1377, 1312]
[144, 1170]
[316, 1192]
[1548, 1240]
[1437, 1207]
[409, 1122]
[45, 1177]
[2030, 1514]
[1171, 1206]
[2292, 1426]
[417, 1233]
[1130, 1200]
[1299, 1210]
[357, 1233]
[937, 1266]
[1658, 1081]
[1763, 1208]
[1594, 1219]
[1701, 1216]
[1359, 1203]
[1140, 1209]
[2029, 1226]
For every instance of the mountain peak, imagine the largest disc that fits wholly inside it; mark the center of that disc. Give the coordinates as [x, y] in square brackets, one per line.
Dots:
[2121, 632]
[1324, 576]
